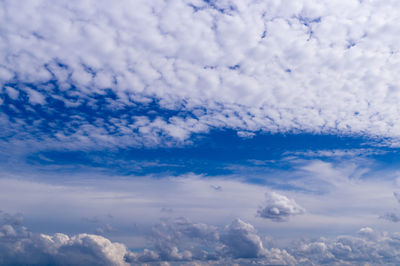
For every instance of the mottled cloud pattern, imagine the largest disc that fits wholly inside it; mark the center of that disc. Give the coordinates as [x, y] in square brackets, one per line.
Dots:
[90, 72]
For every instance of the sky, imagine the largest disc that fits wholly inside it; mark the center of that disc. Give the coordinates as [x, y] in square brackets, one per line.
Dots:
[199, 132]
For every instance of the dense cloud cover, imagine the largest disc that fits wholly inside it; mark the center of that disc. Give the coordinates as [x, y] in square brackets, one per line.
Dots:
[180, 242]
[155, 72]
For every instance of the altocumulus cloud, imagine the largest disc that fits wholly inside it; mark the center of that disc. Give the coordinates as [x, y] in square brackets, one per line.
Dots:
[88, 72]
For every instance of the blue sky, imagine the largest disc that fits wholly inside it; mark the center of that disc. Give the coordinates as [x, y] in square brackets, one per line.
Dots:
[199, 132]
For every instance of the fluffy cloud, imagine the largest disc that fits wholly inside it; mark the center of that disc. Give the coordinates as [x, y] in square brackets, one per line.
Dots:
[326, 67]
[278, 207]
[240, 240]
[368, 247]
[18, 246]
[237, 243]
[181, 240]
[60, 249]
[172, 241]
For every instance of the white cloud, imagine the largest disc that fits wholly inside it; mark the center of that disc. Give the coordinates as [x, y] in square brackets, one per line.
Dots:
[252, 66]
[368, 247]
[241, 241]
[8, 231]
[35, 97]
[246, 134]
[237, 243]
[60, 249]
[279, 208]
[5, 74]
[12, 93]
[18, 246]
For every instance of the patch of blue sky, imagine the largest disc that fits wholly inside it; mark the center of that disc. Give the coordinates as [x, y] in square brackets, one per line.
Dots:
[221, 152]
[70, 109]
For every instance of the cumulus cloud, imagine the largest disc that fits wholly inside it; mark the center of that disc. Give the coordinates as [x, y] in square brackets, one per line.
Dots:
[18, 246]
[241, 241]
[237, 243]
[181, 240]
[269, 66]
[368, 247]
[279, 208]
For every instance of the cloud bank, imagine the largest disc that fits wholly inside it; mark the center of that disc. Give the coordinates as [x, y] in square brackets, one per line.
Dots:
[19, 246]
[181, 242]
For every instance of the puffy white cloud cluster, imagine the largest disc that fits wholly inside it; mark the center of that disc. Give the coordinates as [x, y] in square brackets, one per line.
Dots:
[18, 246]
[368, 247]
[241, 240]
[279, 208]
[314, 66]
[181, 242]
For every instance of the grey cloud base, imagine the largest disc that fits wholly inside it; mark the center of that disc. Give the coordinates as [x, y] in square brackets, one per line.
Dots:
[279, 208]
[180, 242]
